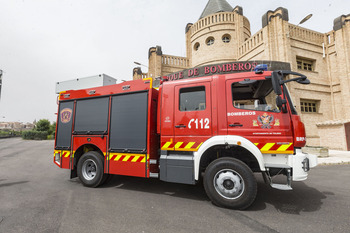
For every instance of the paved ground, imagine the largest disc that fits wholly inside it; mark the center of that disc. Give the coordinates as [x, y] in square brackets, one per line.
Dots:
[37, 196]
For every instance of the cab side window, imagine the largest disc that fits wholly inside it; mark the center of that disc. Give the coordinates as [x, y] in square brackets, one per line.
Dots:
[257, 96]
[192, 99]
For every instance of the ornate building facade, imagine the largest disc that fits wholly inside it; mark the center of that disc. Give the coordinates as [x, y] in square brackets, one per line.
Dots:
[222, 34]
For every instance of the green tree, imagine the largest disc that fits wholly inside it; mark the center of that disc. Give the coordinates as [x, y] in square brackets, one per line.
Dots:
[52, 128]
[43, 125]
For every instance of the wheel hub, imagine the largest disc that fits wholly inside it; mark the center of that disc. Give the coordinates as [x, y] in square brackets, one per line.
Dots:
[89, 169]
[229, 184]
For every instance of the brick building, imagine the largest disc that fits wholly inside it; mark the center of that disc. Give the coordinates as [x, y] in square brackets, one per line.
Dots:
[222, 34]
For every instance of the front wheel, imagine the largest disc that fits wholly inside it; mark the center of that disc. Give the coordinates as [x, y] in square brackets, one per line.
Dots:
[90, 169]
[230, 183]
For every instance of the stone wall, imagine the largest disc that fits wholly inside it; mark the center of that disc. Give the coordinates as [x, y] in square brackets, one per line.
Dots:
[332, 134]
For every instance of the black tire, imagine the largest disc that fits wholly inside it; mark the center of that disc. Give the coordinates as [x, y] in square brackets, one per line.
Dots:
[90, 169]
[230, 183]
[106, 178]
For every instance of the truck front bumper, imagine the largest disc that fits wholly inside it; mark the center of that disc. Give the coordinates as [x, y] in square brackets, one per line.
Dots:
[301, 164]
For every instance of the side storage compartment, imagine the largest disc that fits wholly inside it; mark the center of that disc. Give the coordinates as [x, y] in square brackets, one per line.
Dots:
[128, 152]
[177, 168]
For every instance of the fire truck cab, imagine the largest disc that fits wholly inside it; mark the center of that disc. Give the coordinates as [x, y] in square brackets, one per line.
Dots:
[219, 128]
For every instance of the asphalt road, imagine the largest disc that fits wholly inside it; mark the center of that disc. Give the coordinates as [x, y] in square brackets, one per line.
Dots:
[37, 196]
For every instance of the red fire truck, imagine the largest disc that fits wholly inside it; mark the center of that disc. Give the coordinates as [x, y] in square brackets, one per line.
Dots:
[221, 128]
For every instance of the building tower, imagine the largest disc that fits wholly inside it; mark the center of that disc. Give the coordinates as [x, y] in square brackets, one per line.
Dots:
[214, 38]
[217, 35]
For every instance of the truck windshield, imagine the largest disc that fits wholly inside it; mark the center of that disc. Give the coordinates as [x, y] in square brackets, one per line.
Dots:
[258, 96]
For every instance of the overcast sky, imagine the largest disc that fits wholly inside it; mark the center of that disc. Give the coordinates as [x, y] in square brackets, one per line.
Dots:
[46, 41]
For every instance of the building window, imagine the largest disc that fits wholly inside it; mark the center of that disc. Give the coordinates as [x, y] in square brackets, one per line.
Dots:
[226, 38]
[305, 64]
[196, 46]
[210, 41]
[192, 99]
[308, 106]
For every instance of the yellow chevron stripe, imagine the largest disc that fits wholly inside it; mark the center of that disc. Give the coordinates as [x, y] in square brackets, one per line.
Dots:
[178, 144]
[284, 147]
[67, 155]
[189, 145]
[267, 146]
[135, 159]
[126, 158]
[166, 145]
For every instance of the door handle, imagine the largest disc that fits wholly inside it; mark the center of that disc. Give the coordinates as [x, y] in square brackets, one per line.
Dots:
[180, 126]
[235, 125]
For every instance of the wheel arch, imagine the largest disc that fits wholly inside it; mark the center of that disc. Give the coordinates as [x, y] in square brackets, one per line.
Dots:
[79, 152]
[219, 143]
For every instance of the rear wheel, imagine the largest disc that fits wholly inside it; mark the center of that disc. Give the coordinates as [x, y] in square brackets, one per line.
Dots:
[230, 183]
[90, 169]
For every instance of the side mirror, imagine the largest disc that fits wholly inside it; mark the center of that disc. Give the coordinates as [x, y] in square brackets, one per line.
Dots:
[305, 81]
[276, 84]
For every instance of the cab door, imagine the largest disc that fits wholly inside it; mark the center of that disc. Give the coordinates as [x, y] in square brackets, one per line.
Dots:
[253, 114]
[192, 116]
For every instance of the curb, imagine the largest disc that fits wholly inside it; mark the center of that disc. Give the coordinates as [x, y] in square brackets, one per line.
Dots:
[337, 163]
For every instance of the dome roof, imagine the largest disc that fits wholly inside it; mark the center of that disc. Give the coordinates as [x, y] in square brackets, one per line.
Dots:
[215, 6]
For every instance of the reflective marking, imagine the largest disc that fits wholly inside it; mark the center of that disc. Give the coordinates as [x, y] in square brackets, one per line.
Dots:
[167, 144]
[178, 144]
[126, 158]
[121, 157]
[189, 145]
[267, 146]
[284, 147]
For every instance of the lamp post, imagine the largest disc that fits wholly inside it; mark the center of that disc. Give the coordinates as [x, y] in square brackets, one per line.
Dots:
[139, 64]
[306, 18]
